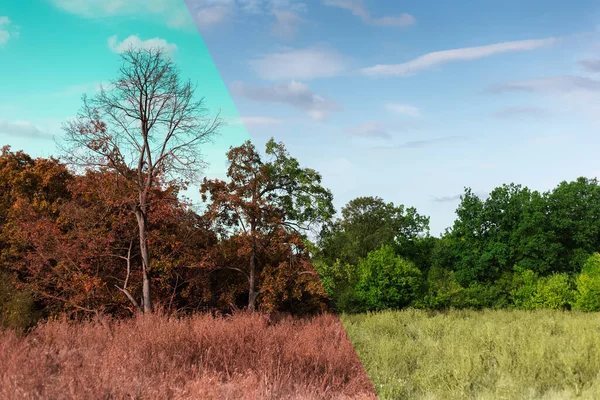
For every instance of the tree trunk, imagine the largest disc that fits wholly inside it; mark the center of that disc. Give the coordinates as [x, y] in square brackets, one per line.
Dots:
[140, 215]
[252, 293]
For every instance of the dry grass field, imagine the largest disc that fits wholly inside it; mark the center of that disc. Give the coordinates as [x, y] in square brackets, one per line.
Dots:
[156, 357]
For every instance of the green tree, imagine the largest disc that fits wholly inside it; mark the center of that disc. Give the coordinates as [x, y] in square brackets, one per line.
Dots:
[386, 280]
[366, 224]
[574, 209]
[512, 226]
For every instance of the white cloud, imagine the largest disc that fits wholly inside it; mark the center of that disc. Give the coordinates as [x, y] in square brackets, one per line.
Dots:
[180, 18]
[405, 109]
[251, 6]
[210, 13]
[209, 16]
[382, 129]
[566, 84]
[447, 199]
[570, 94]
[520, 112]
[357, 8]
[5, 35]
[257, 121]
[294, 93]
[401, 20]
[592, 66]
[22, 129]
[546, 139]
[464, 54]
[135, 42]
[78, 90]
[286, 25]
[369, 130]
[309, 63]
[296, 6]
[418, 144]
[173, 13]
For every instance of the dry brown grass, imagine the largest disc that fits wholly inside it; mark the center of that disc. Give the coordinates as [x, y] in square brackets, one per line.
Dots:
[158, 357]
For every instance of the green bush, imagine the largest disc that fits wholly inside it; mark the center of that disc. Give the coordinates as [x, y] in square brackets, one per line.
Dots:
[17, 307]
[443, 290]
[485, 295]
[525, 282]
[338, 279]
[591, 266]
[554, 292]
[326, 274]
[386, 280]
[587, 296]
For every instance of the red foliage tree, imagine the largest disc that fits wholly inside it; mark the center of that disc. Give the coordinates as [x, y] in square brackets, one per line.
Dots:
[82, 256]
[259, 214]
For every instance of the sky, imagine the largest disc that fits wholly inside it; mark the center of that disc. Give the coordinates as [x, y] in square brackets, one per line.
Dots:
[408, 101]
[54, 51]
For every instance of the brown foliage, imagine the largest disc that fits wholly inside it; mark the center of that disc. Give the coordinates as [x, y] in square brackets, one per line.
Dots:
[258, 240]
[74, 259]
[156, 357]
[72, 241]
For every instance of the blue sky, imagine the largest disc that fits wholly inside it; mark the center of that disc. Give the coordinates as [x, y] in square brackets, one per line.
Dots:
[413, 101]
[54, 51]
[409, 101]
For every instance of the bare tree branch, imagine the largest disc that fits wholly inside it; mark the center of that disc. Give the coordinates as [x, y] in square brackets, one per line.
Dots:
[148, 127]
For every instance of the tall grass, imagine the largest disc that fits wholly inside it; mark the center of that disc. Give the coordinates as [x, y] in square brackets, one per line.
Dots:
[158, 357]
[490, 354]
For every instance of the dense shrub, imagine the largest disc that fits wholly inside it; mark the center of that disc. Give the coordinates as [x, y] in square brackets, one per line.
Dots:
[485, 295]
[587, 296]
[554, 292]
[524, 288]
[591, 266]
[442, 290]
[339, 279]
[17, 307]
[386, 280]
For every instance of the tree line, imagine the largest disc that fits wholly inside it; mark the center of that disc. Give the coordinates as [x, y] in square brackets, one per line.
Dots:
[517, 248]
[105, 228]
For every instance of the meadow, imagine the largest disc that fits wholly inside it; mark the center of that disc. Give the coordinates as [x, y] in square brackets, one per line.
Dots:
[201, 357]
[488, 354]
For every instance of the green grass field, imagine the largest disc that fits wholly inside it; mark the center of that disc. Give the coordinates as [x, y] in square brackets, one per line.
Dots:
[491, 354]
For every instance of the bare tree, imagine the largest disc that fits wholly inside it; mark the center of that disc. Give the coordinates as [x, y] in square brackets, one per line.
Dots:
[148, 127]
